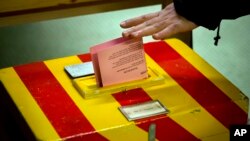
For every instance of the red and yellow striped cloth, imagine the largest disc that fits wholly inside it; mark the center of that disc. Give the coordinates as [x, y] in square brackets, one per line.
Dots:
[202, 103]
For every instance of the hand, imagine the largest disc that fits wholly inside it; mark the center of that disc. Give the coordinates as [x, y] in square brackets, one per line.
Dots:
[160, 25]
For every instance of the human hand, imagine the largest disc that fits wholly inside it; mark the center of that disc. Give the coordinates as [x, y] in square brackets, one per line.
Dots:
[160, 25]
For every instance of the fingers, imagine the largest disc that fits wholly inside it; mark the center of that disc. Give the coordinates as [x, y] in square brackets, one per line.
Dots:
[138, 20]
[174, 28]
[167, 32]
[149, 30]
[160, 25]
[143, 27]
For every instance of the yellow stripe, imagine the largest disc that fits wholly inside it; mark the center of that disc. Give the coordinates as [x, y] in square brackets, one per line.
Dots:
[183, 108]
[24, 101]
[220, 137]
[214, 76]
[98, 110]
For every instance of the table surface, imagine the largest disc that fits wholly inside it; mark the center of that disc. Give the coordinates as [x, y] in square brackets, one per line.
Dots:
[193, 91]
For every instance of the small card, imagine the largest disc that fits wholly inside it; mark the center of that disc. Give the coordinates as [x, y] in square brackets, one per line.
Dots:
[79, 70]
[118, 61]
[143, 110]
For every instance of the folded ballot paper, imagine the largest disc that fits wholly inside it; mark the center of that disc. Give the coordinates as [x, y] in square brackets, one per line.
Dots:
[118, 61]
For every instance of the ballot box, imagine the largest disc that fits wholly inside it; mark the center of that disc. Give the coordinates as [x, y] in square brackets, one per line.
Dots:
[199, 102]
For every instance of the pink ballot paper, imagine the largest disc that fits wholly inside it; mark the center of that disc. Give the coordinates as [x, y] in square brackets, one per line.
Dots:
[119, 60]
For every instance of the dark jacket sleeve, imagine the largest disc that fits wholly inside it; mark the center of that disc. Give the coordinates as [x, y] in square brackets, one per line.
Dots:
[209, 13]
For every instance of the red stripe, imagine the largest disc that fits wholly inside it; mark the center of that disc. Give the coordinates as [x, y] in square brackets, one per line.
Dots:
[196, 84]
[166, 128]
[59, 108]
[85, 57]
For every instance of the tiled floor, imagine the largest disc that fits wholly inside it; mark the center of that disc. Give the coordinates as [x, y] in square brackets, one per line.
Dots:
[63, 37]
